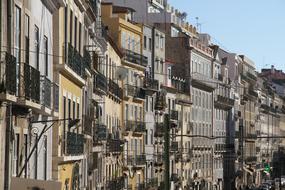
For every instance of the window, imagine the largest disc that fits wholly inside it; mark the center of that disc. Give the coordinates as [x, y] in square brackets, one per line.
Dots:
[78, 111]
[149, 44]
[45, 157]
[146, 137]
[169, 73]
[27, 39]
[146, 103]
[161, 42]
[79, 38]
[151, 104]
[46, 55]
[69, 110]
[37, 47]
[71, 26]
[151, 136]
[73, 110]
[65, 23]
[75, 32]
[64, 121]
[144, 42]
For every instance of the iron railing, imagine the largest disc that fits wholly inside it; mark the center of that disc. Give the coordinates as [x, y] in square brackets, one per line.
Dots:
[9, 84]
[174, 115]
[152, 182]
[116, 184]
[135, 58]
[159, 130]
[151, 84]
[135, 126]
[115, 89]
[87, 124]
[55, 96]
[100, 83]
[73, 59]
[45, 91]
[31, 83]
[115, 145]
[100, 133]
[74, 143]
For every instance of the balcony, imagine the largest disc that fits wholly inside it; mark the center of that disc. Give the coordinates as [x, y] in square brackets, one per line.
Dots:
[250, 159]
[152, 182]
[115, 90]
[249, 77]
[73, 59]
[151, 85]
[116, 184]
[175, 178]
[135, 58]
[100, 84]
[159, 130]
[135, 126]
[74, 143]
[224, 103]
[174, 147]
[203, 82]
[100, 133]
[87, 124]
[46, 91]
[9, 84]
[174, 115]
[115, 145]
[141, 186]
[160, 103]
[158, 160]
[55, 97]
[31, 83]
[138, 160]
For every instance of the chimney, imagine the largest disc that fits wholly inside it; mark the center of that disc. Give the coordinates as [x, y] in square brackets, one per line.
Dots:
[272, 69]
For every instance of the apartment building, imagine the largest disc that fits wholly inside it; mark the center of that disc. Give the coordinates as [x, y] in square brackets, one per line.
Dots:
[26, 93]
[129, 37]
[223, 124]
[74, 38]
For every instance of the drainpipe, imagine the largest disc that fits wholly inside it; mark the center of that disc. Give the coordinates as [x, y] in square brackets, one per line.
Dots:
[7, 165]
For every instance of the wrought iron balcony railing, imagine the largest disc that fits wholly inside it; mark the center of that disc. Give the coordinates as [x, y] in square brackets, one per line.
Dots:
[152, 182]
[31, 83]
[159, 130]
[151, 84]
[74, 143]
[160, 103]
[135, 58]
[9, 84]
[224, 102]
[174, 115]
[87, 124]
[115, 89]
[46, 91]
[115, 145]
[174, 147]
[136, 160]
[73, 59]
[100, 133]
[250, 159]
[55, 96]
[116, 184]
[100, 83]
[135, 126]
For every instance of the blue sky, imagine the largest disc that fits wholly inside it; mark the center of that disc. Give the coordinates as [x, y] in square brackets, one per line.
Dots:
[255, 28]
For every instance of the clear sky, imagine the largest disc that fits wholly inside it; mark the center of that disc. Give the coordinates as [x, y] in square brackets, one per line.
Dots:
[255, 28]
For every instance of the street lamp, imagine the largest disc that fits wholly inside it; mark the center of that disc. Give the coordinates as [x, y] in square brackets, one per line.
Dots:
[71, 123]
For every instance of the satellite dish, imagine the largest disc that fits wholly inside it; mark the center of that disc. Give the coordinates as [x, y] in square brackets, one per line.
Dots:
[121, 73]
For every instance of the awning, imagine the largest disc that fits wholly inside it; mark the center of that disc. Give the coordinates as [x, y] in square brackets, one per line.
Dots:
[28, 184]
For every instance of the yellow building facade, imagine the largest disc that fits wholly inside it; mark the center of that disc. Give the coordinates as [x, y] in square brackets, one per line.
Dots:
[128, 37]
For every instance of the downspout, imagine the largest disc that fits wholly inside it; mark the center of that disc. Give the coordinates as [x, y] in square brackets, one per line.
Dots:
[7, 168]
